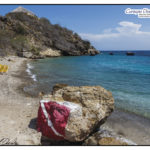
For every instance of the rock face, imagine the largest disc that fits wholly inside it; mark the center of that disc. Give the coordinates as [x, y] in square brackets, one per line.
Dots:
[51, 53]
[96, 140]
[21, 9]
[106, 136]
[92, 52]
[93, 104]
[21, 29]
[27, 54]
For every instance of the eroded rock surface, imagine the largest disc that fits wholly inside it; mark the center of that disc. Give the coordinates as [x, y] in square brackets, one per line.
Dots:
[91, 105]
[105, 136]
[51, 53]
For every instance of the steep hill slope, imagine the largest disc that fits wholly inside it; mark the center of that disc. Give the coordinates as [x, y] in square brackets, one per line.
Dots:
[23, 33]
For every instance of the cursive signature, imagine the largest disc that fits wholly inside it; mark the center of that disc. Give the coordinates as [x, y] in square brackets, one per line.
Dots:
[7, 141]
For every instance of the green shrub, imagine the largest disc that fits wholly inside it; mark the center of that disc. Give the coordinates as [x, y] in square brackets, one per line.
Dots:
[45, 21]
[5, 37]
[35, 50]
[19, 29]
[19, 42]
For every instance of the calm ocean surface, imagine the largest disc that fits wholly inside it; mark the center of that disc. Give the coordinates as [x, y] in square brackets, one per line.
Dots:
[127, 77]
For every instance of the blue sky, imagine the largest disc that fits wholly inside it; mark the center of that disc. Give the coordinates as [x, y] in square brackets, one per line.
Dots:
[106, 26]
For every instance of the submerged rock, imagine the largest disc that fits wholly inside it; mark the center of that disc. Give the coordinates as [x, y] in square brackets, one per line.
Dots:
[90, 106]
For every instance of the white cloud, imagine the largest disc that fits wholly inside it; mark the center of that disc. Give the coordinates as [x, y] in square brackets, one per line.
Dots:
[127, 36]
[128, 27]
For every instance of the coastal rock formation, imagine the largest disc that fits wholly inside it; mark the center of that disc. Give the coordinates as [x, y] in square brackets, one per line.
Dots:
[92, 52]
[51, 53]
[105, 137]
[93, 104]
[22, 30]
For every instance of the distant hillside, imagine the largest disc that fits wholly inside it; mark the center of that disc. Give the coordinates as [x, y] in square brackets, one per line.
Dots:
[23, 33]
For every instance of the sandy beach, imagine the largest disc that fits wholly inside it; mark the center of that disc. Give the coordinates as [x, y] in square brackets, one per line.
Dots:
[130, 126]
[18, 111]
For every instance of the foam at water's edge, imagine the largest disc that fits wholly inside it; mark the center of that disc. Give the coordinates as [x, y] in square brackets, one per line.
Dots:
[28, 70]
[129, 142]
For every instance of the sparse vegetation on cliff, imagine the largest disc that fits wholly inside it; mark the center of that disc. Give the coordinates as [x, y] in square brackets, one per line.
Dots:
[20, 31]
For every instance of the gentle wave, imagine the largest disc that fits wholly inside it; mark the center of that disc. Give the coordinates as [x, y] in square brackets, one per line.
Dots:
[126, 77]
[28, 70]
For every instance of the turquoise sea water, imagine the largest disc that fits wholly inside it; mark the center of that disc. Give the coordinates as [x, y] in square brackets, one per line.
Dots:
[127, 77]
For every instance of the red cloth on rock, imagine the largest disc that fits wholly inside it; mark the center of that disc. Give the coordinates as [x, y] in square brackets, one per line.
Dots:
[58, 116]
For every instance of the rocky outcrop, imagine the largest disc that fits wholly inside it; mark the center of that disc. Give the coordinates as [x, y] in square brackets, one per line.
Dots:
[27, 54]
[21, 29]
[21, 9]
[92, 52]
[91, 106]
[51, 53]
[106, 136]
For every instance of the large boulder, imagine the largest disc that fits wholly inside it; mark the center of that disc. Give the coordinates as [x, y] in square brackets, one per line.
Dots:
[90, 106]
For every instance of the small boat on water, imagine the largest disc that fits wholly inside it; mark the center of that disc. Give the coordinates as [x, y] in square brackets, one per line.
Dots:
[130, 53]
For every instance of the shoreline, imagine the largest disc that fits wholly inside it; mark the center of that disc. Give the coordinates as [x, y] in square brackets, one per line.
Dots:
[123, 123]
[18, 105]
[130, 126]
[16, 108]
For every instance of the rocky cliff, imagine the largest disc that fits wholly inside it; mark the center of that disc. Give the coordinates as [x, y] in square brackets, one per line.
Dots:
[23, 33]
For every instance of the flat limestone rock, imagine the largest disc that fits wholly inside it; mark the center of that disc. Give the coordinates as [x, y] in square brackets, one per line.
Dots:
[104, 141]
[106, 136]
[50, 53]
[90, 106]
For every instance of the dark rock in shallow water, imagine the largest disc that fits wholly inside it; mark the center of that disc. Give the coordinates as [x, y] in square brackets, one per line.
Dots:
[130, 54]
[111, 53]
[93, 52]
